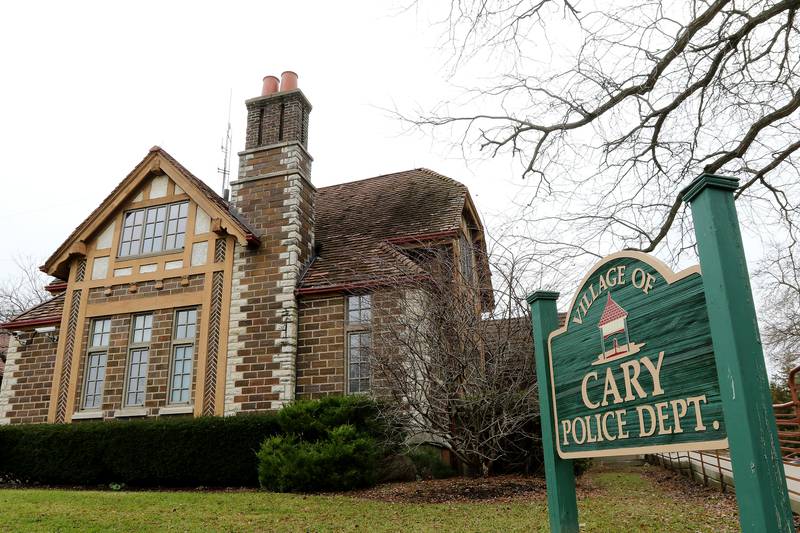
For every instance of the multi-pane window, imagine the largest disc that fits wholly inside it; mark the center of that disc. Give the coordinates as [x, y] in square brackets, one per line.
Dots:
[359, 317]
[358, 353]
[359, 309]
[182, 355]
[96, 363]
[176, 226]
[154, 229]
[131, 240]
[138, 357]
[466, 258]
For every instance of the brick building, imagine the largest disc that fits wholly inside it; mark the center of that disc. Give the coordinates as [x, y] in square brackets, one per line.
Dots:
[171, 300]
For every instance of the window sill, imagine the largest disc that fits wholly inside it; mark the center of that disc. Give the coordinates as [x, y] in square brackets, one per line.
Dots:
[122, 260]
[129, 412]
[176, 410]
[87, 415]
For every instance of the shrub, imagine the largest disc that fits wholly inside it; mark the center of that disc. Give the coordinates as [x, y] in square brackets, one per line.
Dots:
[429, 464]
[344, 459]
[187, 452]
[312, 420]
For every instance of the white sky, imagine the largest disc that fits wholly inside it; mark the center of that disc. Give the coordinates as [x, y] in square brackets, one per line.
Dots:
[87, 88]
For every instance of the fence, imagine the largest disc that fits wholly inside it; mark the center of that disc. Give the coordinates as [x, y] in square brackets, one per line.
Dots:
[787, 417]
[713, 469]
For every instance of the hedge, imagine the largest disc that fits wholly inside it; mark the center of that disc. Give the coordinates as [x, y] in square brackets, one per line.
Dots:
[177, 452]
[186, 452]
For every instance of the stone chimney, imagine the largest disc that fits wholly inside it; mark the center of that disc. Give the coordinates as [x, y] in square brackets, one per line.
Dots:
[274, 194]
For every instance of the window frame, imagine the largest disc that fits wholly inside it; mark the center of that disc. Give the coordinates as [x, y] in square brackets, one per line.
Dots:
[466, 256]
[176, 342]
[91, 351]
[364, 333]
[361, 326]
[360, 298]
[165, 224]
[133, 346]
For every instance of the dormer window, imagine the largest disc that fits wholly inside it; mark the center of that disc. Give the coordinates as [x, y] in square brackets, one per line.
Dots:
[154, 229]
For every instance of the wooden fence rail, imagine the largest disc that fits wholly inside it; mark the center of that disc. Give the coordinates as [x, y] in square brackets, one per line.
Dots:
[787, 417]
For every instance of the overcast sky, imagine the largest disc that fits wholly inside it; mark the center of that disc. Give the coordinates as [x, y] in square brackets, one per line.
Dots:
[89, 87]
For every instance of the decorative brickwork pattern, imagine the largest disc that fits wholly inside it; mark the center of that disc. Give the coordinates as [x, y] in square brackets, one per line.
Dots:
[69, 348]
[81, 272]
[277, 118]
[220, 247]
[214, 317]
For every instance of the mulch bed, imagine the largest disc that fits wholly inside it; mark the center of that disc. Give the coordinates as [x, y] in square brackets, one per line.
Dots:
[496, 489]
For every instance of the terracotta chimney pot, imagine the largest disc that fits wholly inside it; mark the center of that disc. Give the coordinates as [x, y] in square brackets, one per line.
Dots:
[270, 85]
[288, 81]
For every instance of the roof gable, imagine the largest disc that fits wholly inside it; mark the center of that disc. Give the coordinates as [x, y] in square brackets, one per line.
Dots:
[156, 161]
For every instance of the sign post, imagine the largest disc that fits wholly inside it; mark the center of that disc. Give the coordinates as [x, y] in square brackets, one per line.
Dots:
[755, 452]
[562, 506]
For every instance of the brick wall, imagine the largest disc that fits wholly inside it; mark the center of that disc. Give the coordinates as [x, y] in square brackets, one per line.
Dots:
[276, 118]
[320, 347]
[28, 379]
[321, 342]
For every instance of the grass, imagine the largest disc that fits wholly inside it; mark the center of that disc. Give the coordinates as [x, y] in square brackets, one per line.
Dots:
[620, 501]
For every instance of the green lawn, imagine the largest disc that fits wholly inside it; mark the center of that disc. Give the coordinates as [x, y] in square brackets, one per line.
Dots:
[618, 501]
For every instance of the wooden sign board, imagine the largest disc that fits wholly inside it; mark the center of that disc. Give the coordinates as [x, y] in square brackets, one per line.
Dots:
[632, 370]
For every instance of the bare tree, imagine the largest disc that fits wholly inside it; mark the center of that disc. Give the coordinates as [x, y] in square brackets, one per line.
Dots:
[612, 108]
[23, 289]
[458, 371]
[780, 313]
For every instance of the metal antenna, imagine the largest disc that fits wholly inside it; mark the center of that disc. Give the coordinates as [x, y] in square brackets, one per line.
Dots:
[225, 147]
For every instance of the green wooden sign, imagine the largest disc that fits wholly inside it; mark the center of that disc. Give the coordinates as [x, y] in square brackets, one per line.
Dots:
[633, 369]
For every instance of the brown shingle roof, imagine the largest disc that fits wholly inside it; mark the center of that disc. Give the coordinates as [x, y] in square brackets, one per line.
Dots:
[48, 312]
[356, 221]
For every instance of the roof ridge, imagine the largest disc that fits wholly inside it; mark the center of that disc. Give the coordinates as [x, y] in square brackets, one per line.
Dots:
[432, 173]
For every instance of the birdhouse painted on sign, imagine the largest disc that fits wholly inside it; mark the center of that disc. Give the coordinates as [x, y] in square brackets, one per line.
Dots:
[613, 330]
